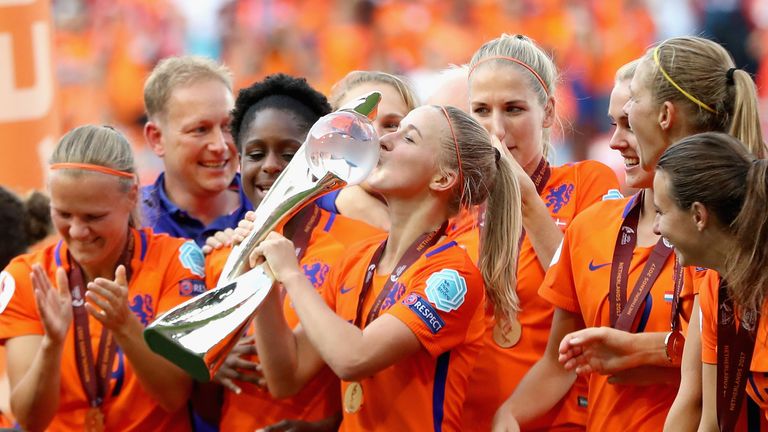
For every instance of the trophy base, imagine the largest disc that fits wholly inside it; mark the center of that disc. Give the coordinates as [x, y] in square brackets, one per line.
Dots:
[192, 363]
[197, 335]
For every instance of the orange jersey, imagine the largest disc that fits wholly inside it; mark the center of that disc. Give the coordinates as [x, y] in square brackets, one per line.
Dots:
[570, 190]
[757, 384]
[344, 230]
[440, 297]
[348, 231]
[5, 422]
[579, 282]
[165, 272]
[255, 408]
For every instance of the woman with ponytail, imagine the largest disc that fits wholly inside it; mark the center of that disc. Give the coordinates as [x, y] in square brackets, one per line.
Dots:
[512, 94]
[671, 96]
[711, 194]
[401, 318]
[617, 306]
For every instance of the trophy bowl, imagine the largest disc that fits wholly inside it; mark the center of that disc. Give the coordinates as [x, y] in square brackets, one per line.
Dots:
[341, 149]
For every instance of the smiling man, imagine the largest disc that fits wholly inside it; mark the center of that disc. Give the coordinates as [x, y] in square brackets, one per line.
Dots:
[188, 102]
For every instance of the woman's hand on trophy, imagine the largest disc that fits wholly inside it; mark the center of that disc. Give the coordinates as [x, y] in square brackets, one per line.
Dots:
[243, 229]
[53, 305]
[219, 240]
[279, 254]
[238, 368]
[107, 301]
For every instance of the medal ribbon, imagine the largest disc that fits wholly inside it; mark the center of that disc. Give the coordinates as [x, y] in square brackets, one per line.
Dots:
[94, 376]
[735, 346]
[413, 253]
[675, 318]
[623, 309]
[302, 225]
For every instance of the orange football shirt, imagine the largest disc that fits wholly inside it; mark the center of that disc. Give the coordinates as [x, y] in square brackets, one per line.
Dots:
[255, 408]
[570, 190]
[440, 298]
[578, 282]
[166, 272]
[757, 383]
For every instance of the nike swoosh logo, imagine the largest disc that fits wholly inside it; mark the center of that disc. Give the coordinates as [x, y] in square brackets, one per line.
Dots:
[345, 290]
[593, 267]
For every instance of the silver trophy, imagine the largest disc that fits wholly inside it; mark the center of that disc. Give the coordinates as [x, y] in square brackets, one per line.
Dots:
[341, 148]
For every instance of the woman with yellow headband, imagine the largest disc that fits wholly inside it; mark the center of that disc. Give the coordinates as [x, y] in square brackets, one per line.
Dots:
[684, 86]
[616, 351]
[72, 315]
[512, 94]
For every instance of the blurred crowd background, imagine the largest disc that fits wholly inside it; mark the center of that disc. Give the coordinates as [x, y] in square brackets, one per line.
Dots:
[103, 49]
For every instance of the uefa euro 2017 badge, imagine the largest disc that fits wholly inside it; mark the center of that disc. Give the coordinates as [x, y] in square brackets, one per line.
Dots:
[192, 258]
[446, 289]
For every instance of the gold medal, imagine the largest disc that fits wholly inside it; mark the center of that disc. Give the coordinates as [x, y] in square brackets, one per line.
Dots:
[94, 420]
[507, 334]
[353, 398]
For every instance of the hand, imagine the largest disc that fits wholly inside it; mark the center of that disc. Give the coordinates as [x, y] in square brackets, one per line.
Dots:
[504, 421]
[243, 229]
[526, 184]
[235, 367]
[53, 305]
[602, 350]
[219, 240]
[107, 301]
[280, 255]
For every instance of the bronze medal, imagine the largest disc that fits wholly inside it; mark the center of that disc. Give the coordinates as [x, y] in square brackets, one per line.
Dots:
[94, 420]
[353, 398]
[507, 334]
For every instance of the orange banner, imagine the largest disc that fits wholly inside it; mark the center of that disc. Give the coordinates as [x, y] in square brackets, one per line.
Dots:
[28, 118]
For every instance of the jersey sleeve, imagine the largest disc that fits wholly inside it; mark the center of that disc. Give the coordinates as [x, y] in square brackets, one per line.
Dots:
[559, 286]
[440, 301]
[18, 314]
[184, 276]
[214, 265]
[595, 180]
[708, 299]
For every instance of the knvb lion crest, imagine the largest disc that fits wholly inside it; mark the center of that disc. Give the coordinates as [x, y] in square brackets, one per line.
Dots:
[316, 273]
[559, 196]
[398, 290]
[141, 305]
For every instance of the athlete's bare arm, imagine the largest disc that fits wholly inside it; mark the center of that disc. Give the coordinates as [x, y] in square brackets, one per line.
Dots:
[544, 384]
[685, 413]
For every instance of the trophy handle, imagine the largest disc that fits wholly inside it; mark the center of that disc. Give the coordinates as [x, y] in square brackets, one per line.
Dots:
[283, 212]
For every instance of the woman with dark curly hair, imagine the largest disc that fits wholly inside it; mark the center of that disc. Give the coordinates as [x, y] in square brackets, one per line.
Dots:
[270, 121]
[23, 222]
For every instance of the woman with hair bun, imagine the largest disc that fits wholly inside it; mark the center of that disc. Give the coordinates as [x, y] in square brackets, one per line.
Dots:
[671, 96]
